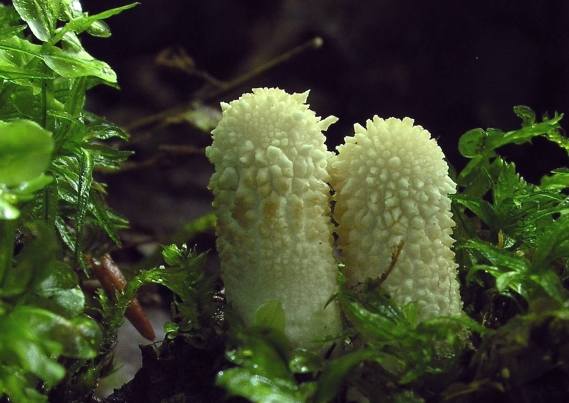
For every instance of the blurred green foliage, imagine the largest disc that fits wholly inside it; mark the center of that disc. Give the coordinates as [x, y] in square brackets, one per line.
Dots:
[49, 149]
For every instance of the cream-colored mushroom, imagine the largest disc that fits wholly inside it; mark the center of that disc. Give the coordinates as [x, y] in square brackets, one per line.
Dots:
[391, 184]
[271, 197]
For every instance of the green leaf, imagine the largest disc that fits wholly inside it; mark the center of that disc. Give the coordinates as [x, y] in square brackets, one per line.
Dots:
[496, 256]
[100, 129]
[67, 170]
[85, 22]
[184, 271]
[33, 263]
[65, 233]
[526, 114]
[513, 280]
[107, 220]
[184, 278]
[472, 143]
[73, 61]
[263, 374]
[71, 9]
[551, 284]
[16, 385]
[509, 183]
[262, 351]
[260, 389]
[557, 136]
[33, 338]
[305, 361]
[26, 190]
[372, 325]
[21, 59]
[549, 245]
[25, 151]
[24, 342]
[336, 371]
[405, 345]
[481, 208]
[41, 16]
[271, 314]
[59, 291]
[69, 61]
[476, 268]
[75, 102]
[83, 192]
[99, 29]
[525, 134]
[108, 158]
[10, 23]
[558, 180]
[7, 210]
[476, 178]
[480, 144]
[80, 337]
[173, 254]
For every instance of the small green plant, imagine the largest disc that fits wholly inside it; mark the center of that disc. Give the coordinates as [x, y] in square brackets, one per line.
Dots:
[49, 148]
[515, 231]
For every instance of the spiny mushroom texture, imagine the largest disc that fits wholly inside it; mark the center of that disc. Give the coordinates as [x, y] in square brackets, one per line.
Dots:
[271, 197]
[392, 185]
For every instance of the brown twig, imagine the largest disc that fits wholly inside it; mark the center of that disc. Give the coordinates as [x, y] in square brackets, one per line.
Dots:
[314, 43]
[112, 280]
[180, 149]
[178, 58]
[394, 258]
[209, 94]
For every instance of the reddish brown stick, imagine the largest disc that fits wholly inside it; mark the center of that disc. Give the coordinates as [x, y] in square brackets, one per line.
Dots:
[112, 280]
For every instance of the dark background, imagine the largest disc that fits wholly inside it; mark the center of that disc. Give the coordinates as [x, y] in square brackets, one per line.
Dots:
[451, 65]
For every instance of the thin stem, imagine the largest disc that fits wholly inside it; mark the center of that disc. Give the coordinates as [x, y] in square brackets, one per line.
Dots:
[49, 204]
[7, 241]
[178, 58]
[43, 105]
[394, 259]
[43, 122]
[314, 43]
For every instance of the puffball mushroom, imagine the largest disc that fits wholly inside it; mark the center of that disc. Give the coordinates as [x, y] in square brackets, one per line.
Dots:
[271, 198]
[392, 185]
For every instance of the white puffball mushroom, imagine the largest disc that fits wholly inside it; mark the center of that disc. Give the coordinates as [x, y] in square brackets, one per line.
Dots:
[391, 184]
[271, 198]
